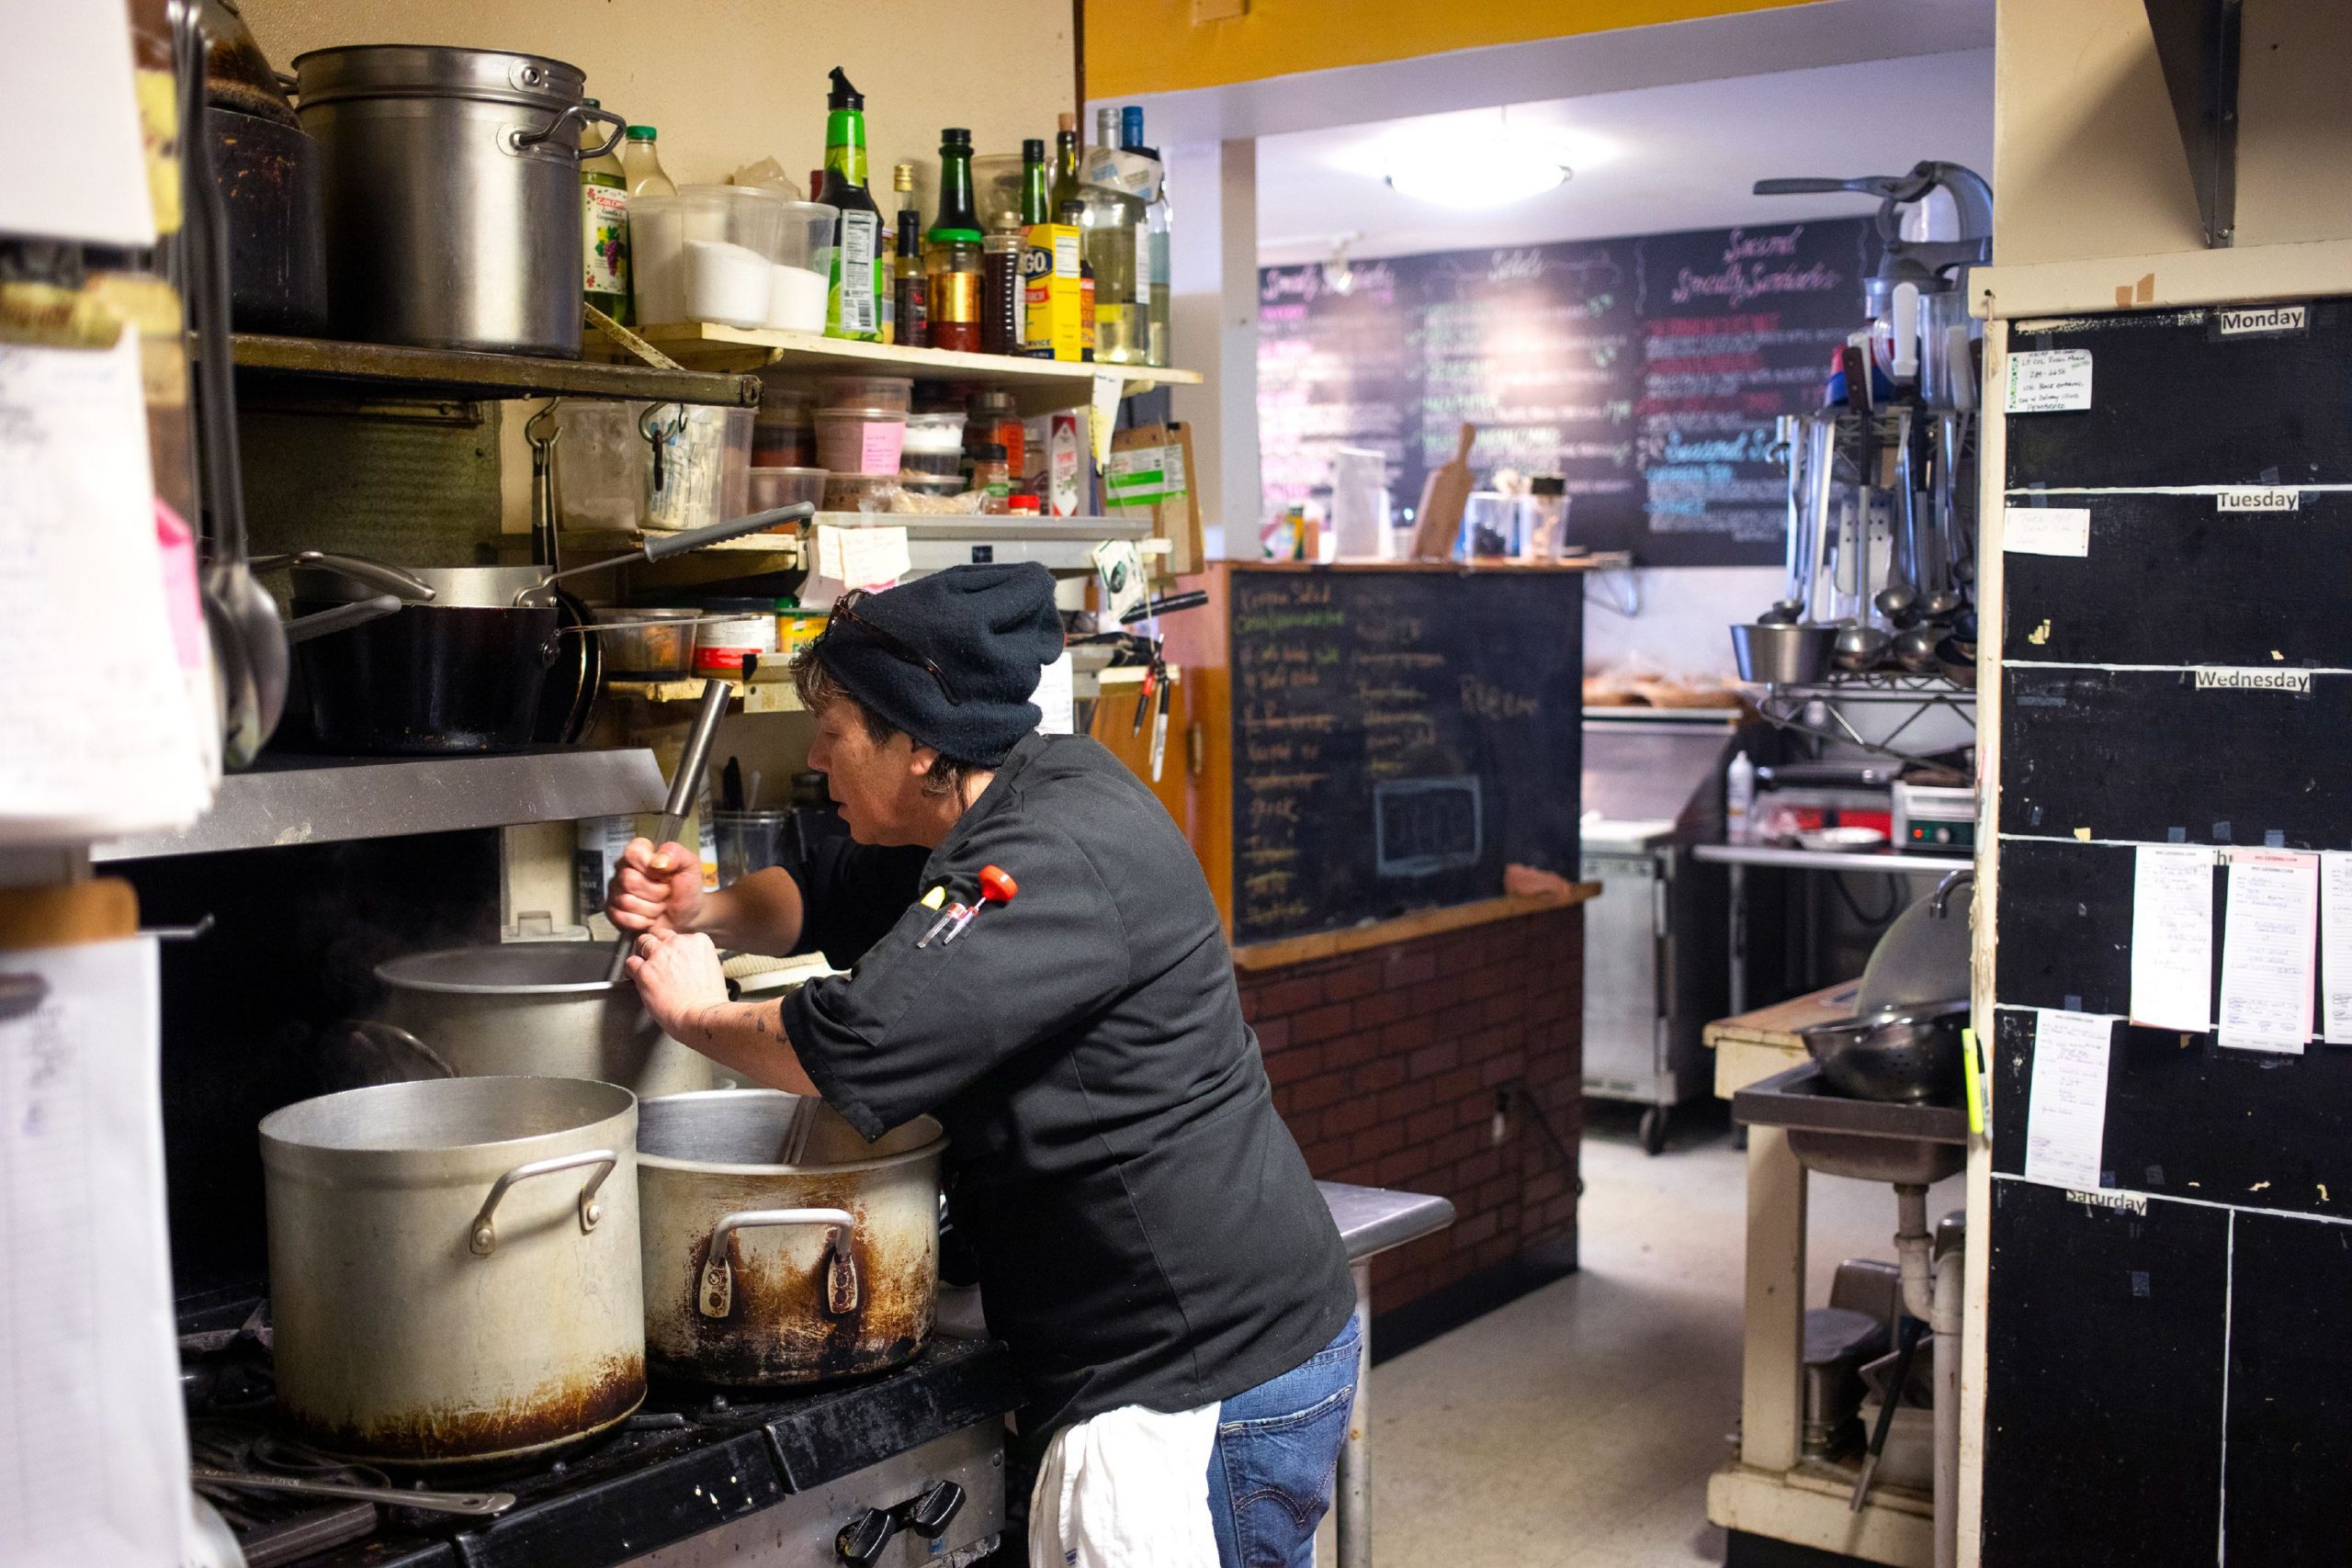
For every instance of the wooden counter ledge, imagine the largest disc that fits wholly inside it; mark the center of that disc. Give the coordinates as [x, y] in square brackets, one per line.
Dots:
[1404, 927]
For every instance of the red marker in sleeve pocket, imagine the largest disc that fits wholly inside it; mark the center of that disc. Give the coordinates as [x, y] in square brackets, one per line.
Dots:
[997, 886]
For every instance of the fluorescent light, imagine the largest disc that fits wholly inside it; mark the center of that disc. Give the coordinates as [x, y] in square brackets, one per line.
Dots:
[1482, 170]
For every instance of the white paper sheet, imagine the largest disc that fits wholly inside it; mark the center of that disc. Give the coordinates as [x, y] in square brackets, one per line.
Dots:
[2336, 946]
[2266, 949]
[2056, 380]
[66, 69]
[1056, 696]
[99, 1474]
[2065, 1126]
[2046, 530]
[2172, 938]
[102, 737]
[872, 556]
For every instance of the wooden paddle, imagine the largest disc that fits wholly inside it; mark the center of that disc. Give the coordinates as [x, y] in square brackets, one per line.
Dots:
[1443, 496]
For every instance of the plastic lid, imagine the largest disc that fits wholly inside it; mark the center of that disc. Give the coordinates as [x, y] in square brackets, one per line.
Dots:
[843, 96]
[1547, 484]
[990, 452]
[993, 399]
[642, 133]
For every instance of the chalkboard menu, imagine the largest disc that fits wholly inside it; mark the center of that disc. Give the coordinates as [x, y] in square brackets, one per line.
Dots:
[1399, 734]
[1647, 372]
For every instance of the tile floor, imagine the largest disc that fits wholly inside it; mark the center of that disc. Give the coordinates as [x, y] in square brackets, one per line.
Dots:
[1576, 1427]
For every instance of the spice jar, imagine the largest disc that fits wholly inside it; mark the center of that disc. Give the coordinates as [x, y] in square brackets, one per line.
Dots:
[1000, 290]
[994, 416]
[992, 473]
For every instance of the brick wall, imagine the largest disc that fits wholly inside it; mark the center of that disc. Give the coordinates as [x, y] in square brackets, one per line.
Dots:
[1388, 1063]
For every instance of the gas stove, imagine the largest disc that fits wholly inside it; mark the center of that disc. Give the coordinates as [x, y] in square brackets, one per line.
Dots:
[905, 1467]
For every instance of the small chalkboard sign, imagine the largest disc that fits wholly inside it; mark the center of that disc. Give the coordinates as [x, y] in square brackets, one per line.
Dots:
[1400, 734]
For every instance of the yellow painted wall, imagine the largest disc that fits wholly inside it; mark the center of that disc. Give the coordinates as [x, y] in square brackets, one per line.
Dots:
[1153, 46]
[727, 82]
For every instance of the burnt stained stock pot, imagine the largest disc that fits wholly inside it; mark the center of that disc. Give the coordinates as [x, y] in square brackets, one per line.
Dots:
[538, 1007]
[760, 1273]
[453, 1266]
[451, 179]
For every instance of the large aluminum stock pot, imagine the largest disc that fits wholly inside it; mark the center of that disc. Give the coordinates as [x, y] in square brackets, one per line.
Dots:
[538, 1007]
[453, 1266]
[761, 1273]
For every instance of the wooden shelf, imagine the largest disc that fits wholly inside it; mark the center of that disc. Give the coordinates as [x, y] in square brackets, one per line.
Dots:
[386, 371]
[1040, 385]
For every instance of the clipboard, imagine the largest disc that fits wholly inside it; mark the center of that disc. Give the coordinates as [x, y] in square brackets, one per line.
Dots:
[65, 915]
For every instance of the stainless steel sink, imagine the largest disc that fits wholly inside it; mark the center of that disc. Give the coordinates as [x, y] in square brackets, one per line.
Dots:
[1864, 1139]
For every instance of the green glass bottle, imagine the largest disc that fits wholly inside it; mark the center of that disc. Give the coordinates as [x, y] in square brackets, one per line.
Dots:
[1036, 206]
[852, 292]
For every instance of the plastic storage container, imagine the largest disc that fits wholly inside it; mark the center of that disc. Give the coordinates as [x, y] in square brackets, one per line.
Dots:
[1494, 526]
[934, 445]
[896, 393]
[784, 427]
[705, 471]
[772, 488]
[860, 440]
[748, 842]
[600, 476]
[707, 253]
[796, 294]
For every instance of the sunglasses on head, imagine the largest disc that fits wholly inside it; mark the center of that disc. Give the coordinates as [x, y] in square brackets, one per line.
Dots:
[845, 609]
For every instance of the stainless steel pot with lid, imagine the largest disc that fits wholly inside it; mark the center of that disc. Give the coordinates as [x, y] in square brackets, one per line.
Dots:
[761, 1273]
[453, 1266]
[452, 193]
[539, 1008]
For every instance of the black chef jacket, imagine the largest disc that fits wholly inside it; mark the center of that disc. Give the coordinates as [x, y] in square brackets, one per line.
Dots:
[1145, 1228]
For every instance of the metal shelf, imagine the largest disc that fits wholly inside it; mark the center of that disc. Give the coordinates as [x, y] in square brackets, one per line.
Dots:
[1062, 545]
[1041, 386]
[387, 371]
[316, 800]
[1893, 863]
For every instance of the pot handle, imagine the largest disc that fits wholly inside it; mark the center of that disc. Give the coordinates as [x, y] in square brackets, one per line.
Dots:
[573, 119]
[843, 1293]
[485, 1234]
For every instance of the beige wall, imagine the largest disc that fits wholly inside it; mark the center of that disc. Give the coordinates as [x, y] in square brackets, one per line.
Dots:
[2087, 159]
[727, 82]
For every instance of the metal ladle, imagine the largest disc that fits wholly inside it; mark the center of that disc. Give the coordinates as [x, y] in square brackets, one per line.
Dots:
[662, 546]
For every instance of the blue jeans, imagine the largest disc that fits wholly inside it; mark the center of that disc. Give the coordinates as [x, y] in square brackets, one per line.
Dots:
[1277, 1446]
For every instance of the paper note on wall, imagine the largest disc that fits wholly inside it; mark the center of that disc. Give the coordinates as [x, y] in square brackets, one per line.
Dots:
[2055, 381]
[2046, 530]
[102, 737]
[2172, 938]
[2336, 947]
[2065, 1127]
[2266, 951]
[872, 556]
[101, 1476]
[1057, 696]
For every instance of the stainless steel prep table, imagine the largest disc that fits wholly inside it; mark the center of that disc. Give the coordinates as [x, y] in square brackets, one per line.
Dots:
[1739, 857]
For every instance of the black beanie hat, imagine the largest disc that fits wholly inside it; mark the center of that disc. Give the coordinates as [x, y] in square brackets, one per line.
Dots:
[991, 628]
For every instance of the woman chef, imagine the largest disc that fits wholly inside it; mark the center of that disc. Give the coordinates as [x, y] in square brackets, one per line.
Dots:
[1148, 1239]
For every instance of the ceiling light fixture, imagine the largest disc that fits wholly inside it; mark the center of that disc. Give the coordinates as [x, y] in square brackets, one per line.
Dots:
[1489, 170]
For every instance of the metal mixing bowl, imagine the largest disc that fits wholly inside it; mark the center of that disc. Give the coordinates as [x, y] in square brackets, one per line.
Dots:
[1906, 1055]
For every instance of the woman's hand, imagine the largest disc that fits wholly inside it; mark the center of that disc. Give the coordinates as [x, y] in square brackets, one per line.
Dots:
[679, 980]
[655, 889]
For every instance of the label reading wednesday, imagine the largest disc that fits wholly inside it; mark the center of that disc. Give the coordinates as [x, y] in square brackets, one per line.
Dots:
[2214, 678]
[2056, 380]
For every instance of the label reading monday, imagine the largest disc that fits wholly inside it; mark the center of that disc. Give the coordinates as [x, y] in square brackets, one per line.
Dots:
[2266, 321]
[2217, 679]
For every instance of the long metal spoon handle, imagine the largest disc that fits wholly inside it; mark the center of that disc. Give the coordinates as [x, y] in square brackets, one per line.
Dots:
[480, 1504]
[682, 785]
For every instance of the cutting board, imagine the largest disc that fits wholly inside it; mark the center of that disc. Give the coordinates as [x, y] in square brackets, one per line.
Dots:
[1443, 496]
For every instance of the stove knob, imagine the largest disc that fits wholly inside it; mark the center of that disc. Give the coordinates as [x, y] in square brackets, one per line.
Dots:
[862, 1540]
[929, 1515]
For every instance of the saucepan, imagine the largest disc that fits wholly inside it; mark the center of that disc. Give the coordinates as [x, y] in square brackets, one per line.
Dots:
[461, 666]
[1909, 1054]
